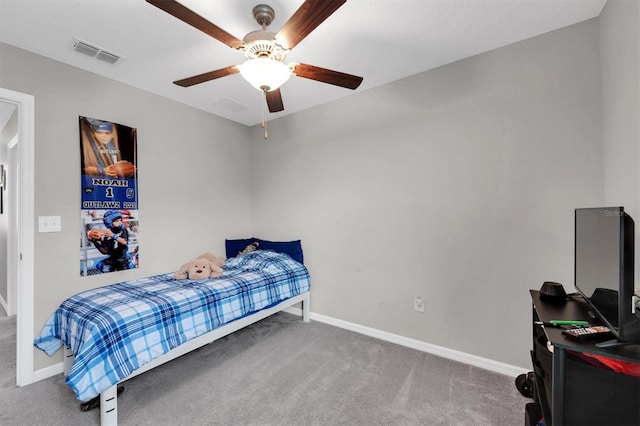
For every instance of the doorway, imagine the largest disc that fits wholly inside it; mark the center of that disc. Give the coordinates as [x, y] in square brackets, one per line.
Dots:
[20, 237]
[8, 139]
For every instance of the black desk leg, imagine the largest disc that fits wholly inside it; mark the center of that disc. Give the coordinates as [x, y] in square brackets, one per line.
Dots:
[558, 386]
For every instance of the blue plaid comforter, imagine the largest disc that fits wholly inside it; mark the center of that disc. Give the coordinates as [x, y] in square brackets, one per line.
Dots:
[113, 330]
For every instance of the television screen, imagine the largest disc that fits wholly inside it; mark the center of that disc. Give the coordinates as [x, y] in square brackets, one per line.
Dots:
[598, 257]
[604, 258]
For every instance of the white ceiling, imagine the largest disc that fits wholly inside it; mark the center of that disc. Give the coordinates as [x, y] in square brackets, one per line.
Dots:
[380, 40]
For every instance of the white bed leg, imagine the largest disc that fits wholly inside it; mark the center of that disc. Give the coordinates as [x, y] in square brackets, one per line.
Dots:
[67, 361]
[306, 308]
[109, 406]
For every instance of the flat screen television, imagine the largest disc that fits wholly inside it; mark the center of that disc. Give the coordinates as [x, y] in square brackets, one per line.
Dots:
[604, 268]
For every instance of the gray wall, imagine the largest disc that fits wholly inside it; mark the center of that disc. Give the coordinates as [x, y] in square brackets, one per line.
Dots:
[193, 185]
[457, 185]
[620, 53]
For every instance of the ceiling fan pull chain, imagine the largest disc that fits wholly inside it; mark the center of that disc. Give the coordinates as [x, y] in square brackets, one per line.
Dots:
[263, 123]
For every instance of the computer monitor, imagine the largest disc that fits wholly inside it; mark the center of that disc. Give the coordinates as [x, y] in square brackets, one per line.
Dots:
[604, 268]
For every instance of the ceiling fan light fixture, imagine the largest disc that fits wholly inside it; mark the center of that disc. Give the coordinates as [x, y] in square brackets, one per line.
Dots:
[265, 73]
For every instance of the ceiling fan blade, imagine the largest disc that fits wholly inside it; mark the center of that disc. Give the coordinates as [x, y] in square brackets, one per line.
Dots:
[308, 16]
[274, 100]
[190, 17]
[207, 76]
[327, 76]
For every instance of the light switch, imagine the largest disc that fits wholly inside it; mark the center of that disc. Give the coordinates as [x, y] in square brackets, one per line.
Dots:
[49, 224]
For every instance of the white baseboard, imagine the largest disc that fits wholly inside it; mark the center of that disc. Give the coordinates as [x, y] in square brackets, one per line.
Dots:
[477, 361]
[47, 372]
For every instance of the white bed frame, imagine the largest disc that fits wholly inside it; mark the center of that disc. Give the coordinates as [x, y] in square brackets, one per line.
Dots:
[109, 398]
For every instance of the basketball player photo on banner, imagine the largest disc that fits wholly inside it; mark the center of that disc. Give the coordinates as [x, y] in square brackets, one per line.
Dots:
[109, 211]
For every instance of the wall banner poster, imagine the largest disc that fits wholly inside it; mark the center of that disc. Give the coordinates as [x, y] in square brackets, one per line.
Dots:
[109, 191]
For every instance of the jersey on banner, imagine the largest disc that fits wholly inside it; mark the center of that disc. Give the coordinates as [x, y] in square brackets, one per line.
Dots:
[109, 193]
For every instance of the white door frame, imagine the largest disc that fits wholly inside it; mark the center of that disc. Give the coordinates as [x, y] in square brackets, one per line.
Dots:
[11, 208]
[23, 234]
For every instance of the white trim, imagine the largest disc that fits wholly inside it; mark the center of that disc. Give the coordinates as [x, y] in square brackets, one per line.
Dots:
[50, 371]
[25, 297]
[12, 210]
[477, 361]
[13, 142]
[3, 303]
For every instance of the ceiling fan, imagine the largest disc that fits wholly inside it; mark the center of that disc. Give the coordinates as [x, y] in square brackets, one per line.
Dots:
[266, 51]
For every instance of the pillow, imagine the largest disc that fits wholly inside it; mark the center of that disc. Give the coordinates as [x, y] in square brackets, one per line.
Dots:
[233, 247]
[292, 248]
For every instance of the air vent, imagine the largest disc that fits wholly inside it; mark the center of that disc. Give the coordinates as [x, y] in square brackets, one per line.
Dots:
[107, 57]
[86, 49]
[95, 51]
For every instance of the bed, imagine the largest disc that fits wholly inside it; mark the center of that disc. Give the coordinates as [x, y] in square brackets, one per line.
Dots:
[113, 333]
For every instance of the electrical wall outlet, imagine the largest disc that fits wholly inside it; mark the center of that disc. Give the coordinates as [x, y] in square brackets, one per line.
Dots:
[418, 304]
[49, 224]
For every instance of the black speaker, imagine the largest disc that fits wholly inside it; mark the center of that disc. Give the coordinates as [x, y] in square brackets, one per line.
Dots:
[553, 292]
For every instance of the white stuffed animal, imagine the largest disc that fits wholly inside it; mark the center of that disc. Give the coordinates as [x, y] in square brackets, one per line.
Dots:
[199, 269]
[212, 258]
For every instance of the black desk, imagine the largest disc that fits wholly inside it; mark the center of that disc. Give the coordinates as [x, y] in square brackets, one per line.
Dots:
[601, 396]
